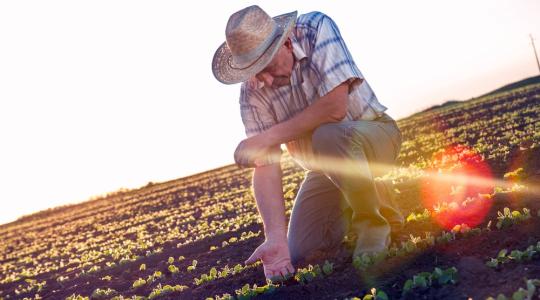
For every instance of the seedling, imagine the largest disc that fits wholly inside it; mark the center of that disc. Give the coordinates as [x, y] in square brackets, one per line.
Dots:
[247, 293]
[103, 293]
[308, 274]
[173, 269]
[375, 295]
[425, 280]
[515, 255]
[508, 218]
[514, 175]
[327, 268]
[521, 293]
[193, 266]
[425, 215]
[138, 283]
[160, 291]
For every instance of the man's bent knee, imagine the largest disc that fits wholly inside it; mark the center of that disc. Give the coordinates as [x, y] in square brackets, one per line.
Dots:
[328, 137]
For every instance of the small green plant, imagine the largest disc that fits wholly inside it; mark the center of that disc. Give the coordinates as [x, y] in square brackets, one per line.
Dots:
[514, 175]
[305, 275]
[154, 277]
[365, 260]
[246, 292]
[445, 237]
[374, 295]
[61, 279]
[508, 218]
[504, 257]
[103, 293]
[142, 267]
[521, 293]
[424, 280]
[173, 269]
[138, 283]
[423, 216]
[77, 297]
[212, 275]
[170, 260]
[193, 266]
[328, 268]
[160, 291]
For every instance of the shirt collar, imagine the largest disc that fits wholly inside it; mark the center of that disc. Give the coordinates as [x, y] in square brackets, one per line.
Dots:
[298, 53]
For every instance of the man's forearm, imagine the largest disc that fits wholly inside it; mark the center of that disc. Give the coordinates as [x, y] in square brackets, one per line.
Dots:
[329, 108]
[268, 190]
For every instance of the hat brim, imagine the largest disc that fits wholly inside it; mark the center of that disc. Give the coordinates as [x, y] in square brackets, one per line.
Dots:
[221, 64]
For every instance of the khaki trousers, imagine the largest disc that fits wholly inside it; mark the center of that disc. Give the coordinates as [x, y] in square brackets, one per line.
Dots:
[341, 195]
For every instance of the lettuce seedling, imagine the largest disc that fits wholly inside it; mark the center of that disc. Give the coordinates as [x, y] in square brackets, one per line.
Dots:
[193, 266]
[305, 275]
[103, 293]
[508, 218]
[328, 268]
[246, 292]
[375, 295]
[424, 280]
[138, 283]
[173, 269]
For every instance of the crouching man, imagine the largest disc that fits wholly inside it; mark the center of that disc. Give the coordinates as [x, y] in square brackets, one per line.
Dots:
[301, 87]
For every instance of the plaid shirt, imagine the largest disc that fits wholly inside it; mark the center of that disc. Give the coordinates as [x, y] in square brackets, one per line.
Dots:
[322, 62]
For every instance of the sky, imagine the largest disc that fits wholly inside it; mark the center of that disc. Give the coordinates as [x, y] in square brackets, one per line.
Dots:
[101, 95]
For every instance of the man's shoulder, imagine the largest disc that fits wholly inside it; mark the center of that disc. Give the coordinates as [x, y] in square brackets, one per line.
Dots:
[310, 20]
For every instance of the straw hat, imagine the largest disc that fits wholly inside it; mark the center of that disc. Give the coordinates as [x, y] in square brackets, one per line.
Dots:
[252, 40]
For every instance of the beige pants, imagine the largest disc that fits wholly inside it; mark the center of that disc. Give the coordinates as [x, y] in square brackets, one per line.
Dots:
[341, 194]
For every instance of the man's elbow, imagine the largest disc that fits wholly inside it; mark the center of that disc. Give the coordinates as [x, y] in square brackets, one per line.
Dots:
[338, 111]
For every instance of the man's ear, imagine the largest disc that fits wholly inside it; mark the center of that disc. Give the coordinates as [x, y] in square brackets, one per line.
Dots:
[288, 43]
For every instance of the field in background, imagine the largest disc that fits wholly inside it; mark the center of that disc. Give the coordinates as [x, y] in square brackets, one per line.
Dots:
[468, 180]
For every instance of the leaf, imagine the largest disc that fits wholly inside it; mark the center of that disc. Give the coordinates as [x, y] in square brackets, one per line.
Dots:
[492, 263]
[328, 267]
[420, 281]
[502, 253]
[531, 289]
[407, 286]
[519, 295]
[444, 279]
[381, 296]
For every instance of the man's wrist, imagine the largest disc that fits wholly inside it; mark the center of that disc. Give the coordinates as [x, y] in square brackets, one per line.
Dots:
[269, 138]
[277, 235]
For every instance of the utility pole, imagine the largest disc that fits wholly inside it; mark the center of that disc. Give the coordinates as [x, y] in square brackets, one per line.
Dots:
[534, 49]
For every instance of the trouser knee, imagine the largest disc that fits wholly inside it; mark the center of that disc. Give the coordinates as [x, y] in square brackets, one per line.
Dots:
[329, 139]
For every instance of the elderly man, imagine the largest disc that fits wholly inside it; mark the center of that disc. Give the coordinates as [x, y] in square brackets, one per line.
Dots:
[301, 87]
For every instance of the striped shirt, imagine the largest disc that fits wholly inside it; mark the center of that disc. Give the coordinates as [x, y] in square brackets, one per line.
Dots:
[322, 62]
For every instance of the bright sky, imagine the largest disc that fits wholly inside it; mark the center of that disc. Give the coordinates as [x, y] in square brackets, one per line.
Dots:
[98, 95]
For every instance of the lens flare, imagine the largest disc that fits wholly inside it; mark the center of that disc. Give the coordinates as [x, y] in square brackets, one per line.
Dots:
[458, 188]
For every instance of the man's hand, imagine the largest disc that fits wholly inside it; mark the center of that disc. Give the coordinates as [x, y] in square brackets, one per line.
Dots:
[275, 258]
[251, 149]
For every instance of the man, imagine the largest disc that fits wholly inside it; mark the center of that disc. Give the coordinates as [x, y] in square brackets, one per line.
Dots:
[302, 88]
